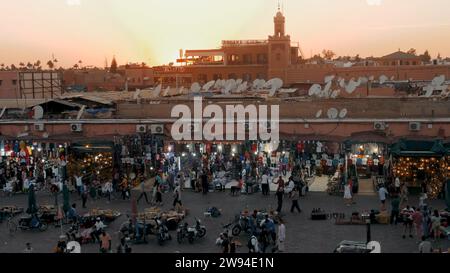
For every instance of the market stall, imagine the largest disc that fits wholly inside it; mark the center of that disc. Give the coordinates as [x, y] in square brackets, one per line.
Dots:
[421, 164]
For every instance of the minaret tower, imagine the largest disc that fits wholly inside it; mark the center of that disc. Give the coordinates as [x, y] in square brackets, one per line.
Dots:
[279, 48]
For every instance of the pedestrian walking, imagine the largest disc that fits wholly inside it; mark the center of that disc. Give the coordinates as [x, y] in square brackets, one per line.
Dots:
[407, 221]
[436, 224]
[281, 236]
[79, 183]
[105, 242]
[403, 194]
[108, 189]
[253, 244]
[143, 193]
[265, 183]
[382, 194]
[158, 195]
[425, 246]
[177, 196]
[84, 195]
[205, 184]
[124, 188]
[348, 194]
[280, 193]
[418, 221]
[397, 185]
[294, 196]
[395, 209]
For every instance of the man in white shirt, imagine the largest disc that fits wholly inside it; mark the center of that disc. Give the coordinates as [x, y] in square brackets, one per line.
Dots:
[397, 185]
[382, 194]
[253, 245]
[79, 183]
[281, 236]
[265, 183]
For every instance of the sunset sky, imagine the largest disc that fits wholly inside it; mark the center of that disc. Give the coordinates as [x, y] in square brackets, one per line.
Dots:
[153, 31]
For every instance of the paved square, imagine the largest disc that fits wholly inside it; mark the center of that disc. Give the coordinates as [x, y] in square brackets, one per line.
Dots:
[302, 234]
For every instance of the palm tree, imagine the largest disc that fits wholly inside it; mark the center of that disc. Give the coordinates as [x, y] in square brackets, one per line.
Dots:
[29, 65]
[75, 66]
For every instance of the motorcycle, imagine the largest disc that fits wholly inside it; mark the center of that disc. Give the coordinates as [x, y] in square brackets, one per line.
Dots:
[241, 223]
[197, 231]
[163, 232]
[32, 222]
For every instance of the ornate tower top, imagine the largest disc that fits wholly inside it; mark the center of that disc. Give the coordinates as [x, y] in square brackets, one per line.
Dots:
[279, 22]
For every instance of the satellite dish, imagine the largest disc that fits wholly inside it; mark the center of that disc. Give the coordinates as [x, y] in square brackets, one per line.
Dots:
[319, 114]
[157, 90]
[239, 81]
[241, 88]
[45, 135]
[383, 79]
[136, 94]
[325, 92]
[181, 91]
[374, 246]
[333, 113]
[275, 85]
[438, 81]
[38, 112]
[166, 92]
[73, 247]
[429, 91]
[392, 78]
[208, 86]
[371, 78]
[217, 84]
[342, 83]
[314, 90]
[335, 94]
[195, 87]
[343, 113]
[329, 78]
[363, 80]
[351, 86]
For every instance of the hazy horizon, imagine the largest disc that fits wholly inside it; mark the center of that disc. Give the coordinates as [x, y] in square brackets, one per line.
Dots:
[153, 31]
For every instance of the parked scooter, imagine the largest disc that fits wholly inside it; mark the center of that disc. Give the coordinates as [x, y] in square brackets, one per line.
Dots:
[32, 222]
[197, 231]
[163, 232]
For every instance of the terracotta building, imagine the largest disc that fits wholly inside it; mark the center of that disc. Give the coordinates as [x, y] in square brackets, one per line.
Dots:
[278, 57]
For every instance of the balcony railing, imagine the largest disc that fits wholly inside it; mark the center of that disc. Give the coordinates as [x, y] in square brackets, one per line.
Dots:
[230, 43]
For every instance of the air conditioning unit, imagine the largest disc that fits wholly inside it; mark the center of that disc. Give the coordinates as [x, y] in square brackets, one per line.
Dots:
[39, 127]
[379, 126]
[415, 126]
[141, 128]
[76, 127]
[157, 129]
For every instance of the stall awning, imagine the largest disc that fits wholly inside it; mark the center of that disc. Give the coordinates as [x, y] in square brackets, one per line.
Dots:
[93, 146]
[418, 148]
